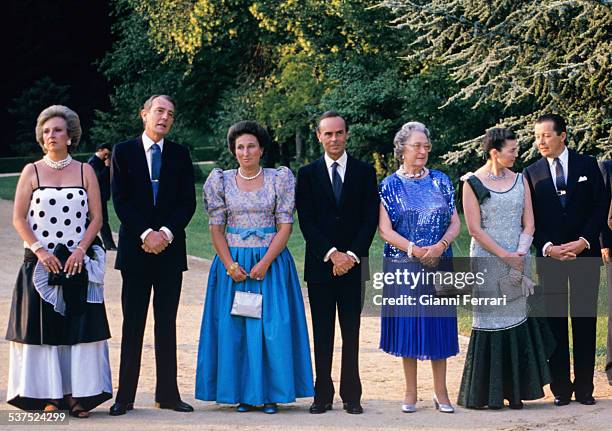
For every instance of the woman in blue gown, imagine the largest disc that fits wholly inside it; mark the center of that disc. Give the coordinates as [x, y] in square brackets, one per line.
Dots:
[418, 221]
[246, 360]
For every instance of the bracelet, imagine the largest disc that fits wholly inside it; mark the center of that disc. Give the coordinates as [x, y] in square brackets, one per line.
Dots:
[232, 268]
[409, 248]
[81, 248]
[444, 243]
[36, 246]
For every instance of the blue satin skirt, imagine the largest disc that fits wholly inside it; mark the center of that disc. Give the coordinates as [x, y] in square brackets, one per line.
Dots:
[254, 361]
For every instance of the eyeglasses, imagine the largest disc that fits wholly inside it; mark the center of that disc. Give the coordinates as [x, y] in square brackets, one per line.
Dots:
[426, 147]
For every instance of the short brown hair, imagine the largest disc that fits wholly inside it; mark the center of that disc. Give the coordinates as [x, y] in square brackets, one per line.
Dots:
[73, 124]
[331, 114]
[247, 128]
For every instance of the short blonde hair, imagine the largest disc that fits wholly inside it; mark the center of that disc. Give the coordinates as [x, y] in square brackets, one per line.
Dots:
[73, 124]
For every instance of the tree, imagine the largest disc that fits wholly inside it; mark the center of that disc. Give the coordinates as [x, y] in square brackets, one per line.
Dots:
[26, 107]
[552, 56]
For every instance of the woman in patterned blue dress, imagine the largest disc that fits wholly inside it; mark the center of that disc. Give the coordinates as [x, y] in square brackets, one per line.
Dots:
[247, 360]
[418, 221]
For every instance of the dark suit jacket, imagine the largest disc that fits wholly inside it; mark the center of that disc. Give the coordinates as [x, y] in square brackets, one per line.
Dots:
[606, 171]
[133, 200]
[585, 209]
[103, 174]
[350, 226]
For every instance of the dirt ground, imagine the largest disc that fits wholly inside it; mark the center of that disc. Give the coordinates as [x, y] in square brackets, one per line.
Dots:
[381, 374]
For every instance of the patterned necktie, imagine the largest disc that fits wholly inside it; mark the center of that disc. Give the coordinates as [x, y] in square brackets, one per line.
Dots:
[336, 182]
[155, 169]
[560, 181]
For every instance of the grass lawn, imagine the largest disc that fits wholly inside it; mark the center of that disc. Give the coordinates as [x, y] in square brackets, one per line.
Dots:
[199, 244]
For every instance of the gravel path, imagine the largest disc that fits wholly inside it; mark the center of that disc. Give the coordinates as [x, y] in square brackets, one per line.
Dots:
[381, 374]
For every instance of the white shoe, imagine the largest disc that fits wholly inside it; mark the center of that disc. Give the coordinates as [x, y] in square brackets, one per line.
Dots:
[409, 408]
[444, 408]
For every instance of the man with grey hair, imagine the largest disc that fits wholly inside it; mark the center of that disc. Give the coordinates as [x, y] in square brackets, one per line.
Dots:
[153, 192]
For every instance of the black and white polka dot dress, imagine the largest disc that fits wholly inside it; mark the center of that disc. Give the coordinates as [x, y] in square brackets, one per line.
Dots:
[58, 215]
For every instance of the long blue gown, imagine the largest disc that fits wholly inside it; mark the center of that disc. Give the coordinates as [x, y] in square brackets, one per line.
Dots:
[242, 359]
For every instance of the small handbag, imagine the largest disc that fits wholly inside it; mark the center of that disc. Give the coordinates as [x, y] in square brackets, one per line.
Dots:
[247, 304]
[74, 289]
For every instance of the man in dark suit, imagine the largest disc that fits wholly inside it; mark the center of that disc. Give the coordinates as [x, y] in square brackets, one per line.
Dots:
[606, 245]
[100, 162]
[569, 205]
[153, 192]
[337, 203]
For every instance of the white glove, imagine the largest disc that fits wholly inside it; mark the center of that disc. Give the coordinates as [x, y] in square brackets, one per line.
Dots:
[524, 243]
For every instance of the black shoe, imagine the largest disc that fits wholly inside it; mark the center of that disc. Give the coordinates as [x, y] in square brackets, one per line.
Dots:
[587, 401]
[119, 409]
[516, 406]
[561, 401]
[178, 406]
[353, 408]
[318, 408]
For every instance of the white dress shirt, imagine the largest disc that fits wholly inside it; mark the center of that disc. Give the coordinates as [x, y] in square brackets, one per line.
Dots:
[148, 143]
[341, 171]
[564, 159]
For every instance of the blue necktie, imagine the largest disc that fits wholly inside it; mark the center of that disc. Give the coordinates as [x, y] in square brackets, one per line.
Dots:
[155, 169]
[560, 181]
[336, 182]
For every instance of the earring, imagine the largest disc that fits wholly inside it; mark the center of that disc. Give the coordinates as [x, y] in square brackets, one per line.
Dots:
[69, 142]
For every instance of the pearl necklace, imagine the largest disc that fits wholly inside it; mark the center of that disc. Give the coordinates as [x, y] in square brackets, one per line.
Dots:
[419, 174]
[250, 178]
[496, 177]
[57, 165]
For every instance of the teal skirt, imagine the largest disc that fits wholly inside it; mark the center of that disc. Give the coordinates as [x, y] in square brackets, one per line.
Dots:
[509, 364]
[254, 361]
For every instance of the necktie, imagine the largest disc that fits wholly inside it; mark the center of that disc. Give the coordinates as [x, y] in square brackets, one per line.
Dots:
[155, 169]
[560, 181]
[336, 182]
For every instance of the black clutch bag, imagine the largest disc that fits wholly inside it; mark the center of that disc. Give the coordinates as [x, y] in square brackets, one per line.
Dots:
[74, 287]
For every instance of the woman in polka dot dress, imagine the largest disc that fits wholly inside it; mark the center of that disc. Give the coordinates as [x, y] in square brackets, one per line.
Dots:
[58, 354]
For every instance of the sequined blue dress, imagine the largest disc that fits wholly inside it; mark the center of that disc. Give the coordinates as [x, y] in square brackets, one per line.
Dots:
[420, 210]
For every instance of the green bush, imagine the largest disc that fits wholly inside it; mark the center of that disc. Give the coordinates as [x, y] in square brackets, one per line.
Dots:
[204, 154]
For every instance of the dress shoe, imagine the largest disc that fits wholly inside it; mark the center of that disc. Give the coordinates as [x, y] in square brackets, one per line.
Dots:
[119, 409]
[561, 401]
[587, 401]
[443, 408]
[270, 408]
[516, 406]
[318, 408]
[409, 408]
[178, 406]
[243, 408]
[353, 408]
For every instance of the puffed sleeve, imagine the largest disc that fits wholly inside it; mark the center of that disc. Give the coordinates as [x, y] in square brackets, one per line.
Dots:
[284, 186]
[214, 197]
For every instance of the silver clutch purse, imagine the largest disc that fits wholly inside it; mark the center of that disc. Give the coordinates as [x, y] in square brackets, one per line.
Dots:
[247, 304]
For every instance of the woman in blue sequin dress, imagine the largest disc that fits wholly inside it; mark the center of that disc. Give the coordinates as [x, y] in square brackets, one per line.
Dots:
[246, 360]
[418, 221]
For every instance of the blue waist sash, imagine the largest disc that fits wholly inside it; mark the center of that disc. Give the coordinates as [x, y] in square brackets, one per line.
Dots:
[246, 232]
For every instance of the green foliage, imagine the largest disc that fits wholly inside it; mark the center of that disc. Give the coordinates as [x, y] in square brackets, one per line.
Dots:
[26, 107]
[553, 56]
